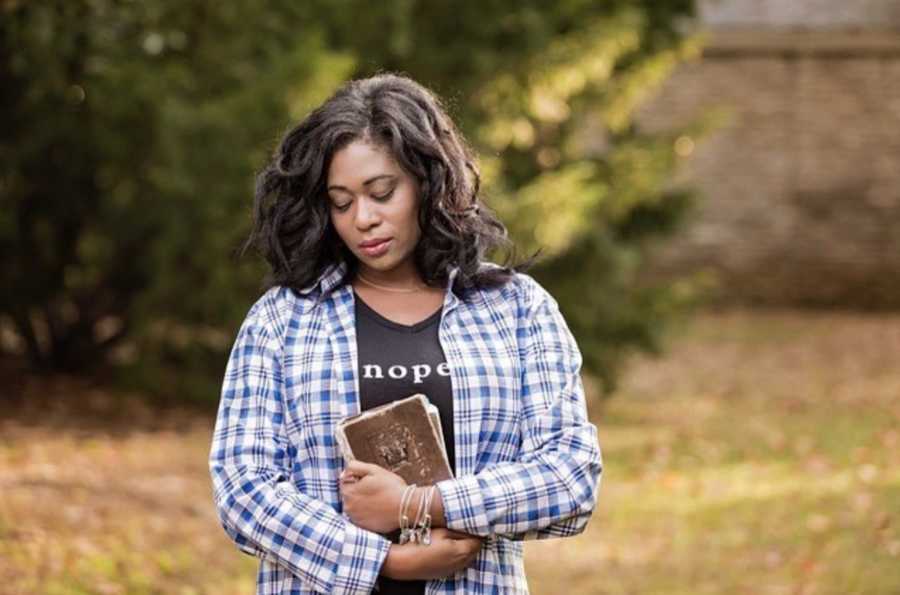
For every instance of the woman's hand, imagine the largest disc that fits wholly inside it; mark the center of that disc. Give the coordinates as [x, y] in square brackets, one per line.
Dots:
[371, 496]
[449, 552]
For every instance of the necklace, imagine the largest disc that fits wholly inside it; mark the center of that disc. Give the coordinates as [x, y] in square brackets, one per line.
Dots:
[385, 288]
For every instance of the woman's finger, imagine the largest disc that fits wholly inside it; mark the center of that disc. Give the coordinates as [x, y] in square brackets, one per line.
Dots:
[360, 469]
[451, 534]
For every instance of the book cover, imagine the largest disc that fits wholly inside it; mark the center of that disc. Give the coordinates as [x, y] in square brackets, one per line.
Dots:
[403, 436]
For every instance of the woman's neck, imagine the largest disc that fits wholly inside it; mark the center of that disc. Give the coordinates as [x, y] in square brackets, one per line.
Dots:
[391, 280]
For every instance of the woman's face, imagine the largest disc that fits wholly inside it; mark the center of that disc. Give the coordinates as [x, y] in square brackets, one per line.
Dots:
[371, 199]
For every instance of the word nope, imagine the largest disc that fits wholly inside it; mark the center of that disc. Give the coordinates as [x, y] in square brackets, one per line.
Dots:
[399, 372]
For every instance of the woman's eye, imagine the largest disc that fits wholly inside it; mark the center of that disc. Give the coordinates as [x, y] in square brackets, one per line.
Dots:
[382, 197]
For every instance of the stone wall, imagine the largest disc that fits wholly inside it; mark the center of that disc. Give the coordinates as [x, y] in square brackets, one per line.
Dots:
[800, 191]
[817, 14]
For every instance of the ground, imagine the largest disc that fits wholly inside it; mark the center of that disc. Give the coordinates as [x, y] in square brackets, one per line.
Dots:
[760, 455]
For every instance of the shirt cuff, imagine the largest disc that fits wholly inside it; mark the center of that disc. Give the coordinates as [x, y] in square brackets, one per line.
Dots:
[464, 508]
[362, 557]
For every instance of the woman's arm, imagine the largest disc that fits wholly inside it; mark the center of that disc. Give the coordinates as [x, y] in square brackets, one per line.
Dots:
[257, 504]
[448, 552]
[552, 489]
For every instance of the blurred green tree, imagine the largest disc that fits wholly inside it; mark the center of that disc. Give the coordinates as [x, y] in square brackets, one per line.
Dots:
[132, 131]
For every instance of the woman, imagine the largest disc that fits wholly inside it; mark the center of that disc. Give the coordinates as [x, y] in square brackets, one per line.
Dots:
[370, 219]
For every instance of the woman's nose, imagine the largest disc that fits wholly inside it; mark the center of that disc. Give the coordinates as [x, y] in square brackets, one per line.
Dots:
[366, 214]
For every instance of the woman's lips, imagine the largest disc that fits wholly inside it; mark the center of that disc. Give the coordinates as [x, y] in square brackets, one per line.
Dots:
[377, 249]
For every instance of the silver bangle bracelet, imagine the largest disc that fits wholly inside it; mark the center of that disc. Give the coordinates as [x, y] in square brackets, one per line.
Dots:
[425, 529]
[405, 531]
[416, 531]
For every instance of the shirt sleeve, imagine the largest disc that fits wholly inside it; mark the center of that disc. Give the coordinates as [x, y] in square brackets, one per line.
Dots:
[256, 502]
[551, 490]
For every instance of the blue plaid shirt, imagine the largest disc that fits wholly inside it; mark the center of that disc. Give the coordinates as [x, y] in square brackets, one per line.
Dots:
[528, 460]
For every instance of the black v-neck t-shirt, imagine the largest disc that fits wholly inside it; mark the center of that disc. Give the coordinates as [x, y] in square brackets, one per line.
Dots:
[395, 361]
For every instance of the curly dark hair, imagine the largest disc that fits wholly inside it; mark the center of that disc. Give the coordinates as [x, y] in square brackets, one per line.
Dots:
[292, 229]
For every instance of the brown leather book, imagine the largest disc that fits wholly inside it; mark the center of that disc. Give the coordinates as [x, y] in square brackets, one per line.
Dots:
[403, 436]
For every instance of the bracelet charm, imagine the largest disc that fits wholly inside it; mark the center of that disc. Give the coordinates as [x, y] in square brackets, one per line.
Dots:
[406, 533]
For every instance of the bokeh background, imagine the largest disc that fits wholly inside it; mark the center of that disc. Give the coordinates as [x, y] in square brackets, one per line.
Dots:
[716, 188]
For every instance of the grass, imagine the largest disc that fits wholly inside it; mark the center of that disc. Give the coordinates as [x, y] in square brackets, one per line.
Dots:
[761, 455]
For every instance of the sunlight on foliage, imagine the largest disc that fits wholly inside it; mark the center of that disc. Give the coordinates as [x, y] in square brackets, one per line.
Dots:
[155, 127]
[549, 210]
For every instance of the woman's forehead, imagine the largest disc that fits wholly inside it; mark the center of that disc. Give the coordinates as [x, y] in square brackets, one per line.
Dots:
[360, 163]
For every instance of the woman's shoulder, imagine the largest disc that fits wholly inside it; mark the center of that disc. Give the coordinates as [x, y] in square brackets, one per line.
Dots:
[273, 310]
[521, 288]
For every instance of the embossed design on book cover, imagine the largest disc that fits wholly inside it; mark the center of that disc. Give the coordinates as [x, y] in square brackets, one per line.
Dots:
[403, 436]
